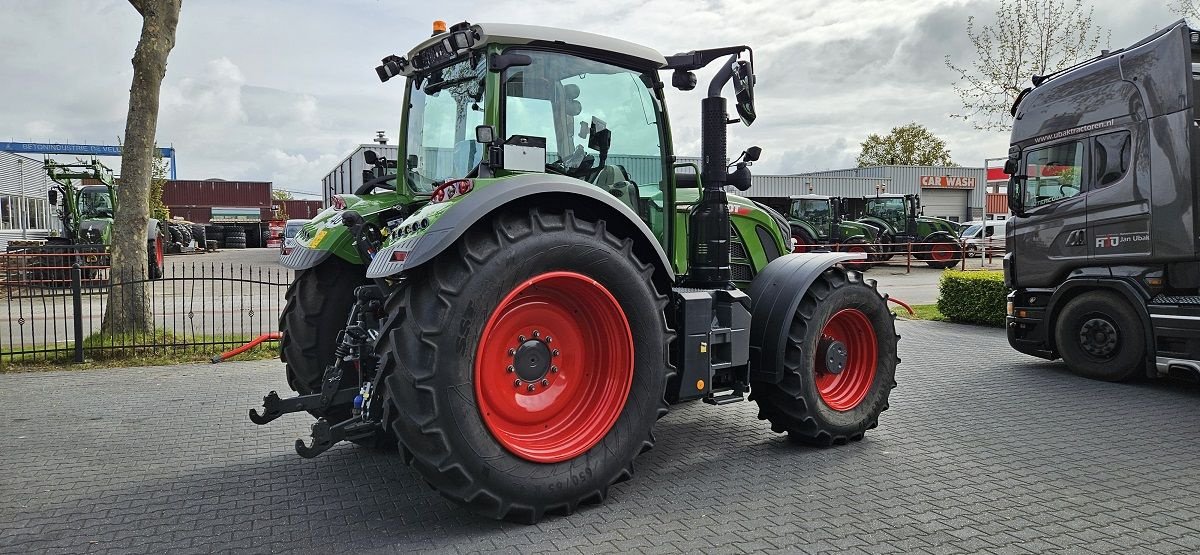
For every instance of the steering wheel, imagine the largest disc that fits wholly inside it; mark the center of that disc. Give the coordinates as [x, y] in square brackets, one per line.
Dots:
[377, 183]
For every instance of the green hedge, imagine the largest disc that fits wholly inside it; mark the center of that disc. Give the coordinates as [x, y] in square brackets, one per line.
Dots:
[973, 297]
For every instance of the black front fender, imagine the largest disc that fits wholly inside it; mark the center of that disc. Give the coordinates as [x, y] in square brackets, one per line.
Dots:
[529, 190]
[775, 294]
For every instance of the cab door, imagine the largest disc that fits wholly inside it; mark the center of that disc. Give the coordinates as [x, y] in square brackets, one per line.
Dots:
[1053, 230]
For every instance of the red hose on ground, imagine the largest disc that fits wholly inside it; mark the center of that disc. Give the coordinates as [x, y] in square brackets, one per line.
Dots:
[903, 304]
[273, 336]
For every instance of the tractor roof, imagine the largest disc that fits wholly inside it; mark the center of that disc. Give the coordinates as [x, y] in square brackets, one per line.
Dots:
[511, 33]
[810, 197]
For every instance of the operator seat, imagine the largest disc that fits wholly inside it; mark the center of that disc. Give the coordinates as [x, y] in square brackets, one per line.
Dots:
[616, 181]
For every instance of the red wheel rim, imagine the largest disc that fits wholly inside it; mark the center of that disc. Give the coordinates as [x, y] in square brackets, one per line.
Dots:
[842, 387]
[801, 244]
[941, 252]
[554, 367]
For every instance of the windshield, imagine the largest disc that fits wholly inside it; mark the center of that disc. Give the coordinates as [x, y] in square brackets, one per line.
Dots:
[444, 108]
[972, 230]
[291, 229]
[891, 210]
[95, 202]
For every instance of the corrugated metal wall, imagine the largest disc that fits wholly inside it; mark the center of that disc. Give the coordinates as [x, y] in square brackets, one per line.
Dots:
[300, 209]
[241, 194]
[25, 211]
[347, 176]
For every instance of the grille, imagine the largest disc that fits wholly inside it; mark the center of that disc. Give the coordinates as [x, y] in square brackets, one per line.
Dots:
[737, 250]
[742, 272]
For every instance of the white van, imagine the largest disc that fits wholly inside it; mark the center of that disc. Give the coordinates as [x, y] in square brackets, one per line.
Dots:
[289, 235]
[980, 235]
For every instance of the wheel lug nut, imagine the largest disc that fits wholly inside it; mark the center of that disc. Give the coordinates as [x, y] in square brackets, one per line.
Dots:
[512, 352]
[536, 334]
[548, 339]
[517, 383]
[521, 338]
[545, 382]
[531, 387]
[553, 369]
[510, 369]
[554, 352]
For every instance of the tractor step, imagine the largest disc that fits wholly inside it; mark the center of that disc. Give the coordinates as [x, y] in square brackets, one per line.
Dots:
[734, 396]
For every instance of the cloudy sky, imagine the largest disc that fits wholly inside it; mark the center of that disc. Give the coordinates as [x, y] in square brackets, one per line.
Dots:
[283, 90]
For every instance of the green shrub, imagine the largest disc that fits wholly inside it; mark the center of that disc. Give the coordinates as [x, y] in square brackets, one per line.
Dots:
[973, 297]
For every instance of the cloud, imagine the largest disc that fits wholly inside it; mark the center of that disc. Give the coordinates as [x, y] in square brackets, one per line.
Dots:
[282, 91]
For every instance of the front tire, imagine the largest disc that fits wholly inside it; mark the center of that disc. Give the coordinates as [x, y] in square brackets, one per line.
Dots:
[858, 245]
[839, 374]
[942, 254]
[526, 365]
[316, 307]
[1100, 337]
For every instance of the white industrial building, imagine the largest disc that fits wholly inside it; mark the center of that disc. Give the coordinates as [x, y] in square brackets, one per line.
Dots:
[24, 205]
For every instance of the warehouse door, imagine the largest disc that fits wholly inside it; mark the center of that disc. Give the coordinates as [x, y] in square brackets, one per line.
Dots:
[950, 204]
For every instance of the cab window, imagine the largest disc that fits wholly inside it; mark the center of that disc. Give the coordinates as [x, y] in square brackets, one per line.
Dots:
[1112, 157]
[600, 123]
[1055, 173]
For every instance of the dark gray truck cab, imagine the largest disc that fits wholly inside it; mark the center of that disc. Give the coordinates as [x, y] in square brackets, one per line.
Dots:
[1103, 254]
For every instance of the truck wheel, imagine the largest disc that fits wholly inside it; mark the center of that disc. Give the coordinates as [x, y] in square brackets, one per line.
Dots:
[315, 311]
[838, 375]
[547, 383]
[943, 254]
[1100, 337]
[857, 245]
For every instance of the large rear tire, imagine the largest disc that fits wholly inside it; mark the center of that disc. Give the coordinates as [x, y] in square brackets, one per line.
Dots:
[1100, 337]
[315, 311]
[839, 367]
[526, 365]
[804, 241]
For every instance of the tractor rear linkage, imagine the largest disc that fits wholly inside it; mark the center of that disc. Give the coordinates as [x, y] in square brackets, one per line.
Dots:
[344, 384]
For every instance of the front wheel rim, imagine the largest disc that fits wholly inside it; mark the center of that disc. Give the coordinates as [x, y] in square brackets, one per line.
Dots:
[941, 252]
[846, 359]
[554, 367]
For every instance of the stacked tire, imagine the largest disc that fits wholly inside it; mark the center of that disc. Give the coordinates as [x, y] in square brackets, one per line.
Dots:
[215, 233]
[198, 234]
[181, 236]
[235, 237]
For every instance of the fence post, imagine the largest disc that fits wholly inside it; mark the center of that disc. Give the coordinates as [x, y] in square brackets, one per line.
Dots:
[962, 249]
[77, 300]
[908, 257]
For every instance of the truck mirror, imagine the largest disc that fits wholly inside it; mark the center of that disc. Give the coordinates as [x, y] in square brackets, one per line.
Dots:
[412, 161]
[53, 196]
[1010, 167]
[743, 85]
[1016, 201]
[370, 157]
[753, 153]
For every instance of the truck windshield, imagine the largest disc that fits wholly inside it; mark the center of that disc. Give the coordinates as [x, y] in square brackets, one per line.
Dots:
[445, 106]
[95, 202]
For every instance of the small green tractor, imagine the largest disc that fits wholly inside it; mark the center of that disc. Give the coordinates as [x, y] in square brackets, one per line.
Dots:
[86, 216]
[818, 222]
[899, 219]
[515, 300]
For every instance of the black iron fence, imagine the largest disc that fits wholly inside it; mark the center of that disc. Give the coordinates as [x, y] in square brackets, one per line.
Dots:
[55, 304]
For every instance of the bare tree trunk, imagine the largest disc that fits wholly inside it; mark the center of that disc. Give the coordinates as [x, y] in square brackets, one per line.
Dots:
[128, 303]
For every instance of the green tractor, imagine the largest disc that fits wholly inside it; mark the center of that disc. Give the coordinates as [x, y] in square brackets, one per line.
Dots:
[819, 221]
[899, 219]
[86, 214]
[540, 281]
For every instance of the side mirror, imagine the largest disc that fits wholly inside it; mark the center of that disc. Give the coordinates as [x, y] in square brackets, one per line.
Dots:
[370, 157]
[753, 153]
[1010, 167]
[683, 80]
[1016, 198]
[411, 162]
[743, 85]
[485, 134]
[53, 196]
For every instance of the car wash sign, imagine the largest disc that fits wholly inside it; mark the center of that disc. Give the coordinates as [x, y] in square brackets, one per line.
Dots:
[947, 182]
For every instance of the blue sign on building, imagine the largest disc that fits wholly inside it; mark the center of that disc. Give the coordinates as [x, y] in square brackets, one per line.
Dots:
[86, 150]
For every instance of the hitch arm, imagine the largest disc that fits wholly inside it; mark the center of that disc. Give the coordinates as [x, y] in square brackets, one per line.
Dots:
[274, 407]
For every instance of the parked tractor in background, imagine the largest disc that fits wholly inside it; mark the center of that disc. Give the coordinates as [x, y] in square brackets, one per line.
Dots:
[517, 307]
[85, 213]
[899, 219]
[1103, 256]
[818, 222]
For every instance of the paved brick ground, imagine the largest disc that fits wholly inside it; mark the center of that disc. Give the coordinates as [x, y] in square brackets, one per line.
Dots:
[984, 451]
